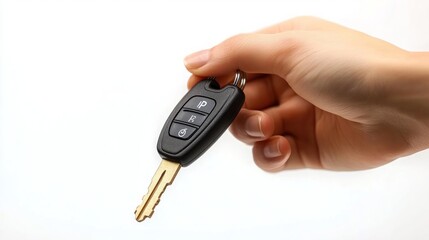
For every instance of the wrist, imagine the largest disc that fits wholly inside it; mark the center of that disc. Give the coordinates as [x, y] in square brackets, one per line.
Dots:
[405, 97]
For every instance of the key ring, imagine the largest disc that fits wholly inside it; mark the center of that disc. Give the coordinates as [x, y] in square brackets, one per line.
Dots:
[240, 79]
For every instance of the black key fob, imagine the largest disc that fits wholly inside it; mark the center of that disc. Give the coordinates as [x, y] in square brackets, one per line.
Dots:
[200, 118]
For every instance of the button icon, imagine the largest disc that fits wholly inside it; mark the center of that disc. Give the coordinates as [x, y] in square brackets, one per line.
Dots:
[192, 119]
[182, 132]
[202, 104]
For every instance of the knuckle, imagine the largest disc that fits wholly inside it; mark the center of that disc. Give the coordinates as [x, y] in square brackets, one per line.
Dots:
[302, 22]
[237, 39]
[231, 43]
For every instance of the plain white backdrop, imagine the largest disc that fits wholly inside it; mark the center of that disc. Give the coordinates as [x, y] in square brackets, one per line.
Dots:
[85, 89]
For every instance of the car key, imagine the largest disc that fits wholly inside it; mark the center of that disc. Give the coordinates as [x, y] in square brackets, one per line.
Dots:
[196, 122]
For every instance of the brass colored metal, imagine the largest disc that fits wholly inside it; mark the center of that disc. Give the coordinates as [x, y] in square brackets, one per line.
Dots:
[163, 177]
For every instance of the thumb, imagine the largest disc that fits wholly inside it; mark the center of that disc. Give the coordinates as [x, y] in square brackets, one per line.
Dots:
[251, 53]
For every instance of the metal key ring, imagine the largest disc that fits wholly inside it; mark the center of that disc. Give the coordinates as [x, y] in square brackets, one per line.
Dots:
[240, 79]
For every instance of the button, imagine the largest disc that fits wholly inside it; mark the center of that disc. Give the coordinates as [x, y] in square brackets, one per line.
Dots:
[201, 104]
[181, 131]
[190, 117]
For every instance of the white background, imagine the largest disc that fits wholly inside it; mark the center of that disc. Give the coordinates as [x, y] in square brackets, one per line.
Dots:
[85, 89]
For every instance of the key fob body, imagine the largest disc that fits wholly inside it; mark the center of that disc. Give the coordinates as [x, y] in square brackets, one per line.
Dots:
[198, 120]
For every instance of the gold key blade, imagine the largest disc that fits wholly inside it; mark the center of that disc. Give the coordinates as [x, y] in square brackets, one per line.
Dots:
[164, 176]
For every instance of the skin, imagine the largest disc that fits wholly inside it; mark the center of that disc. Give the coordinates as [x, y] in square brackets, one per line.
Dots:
[320, 95]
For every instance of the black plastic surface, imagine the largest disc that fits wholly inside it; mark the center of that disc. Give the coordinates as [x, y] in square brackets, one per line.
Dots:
[227, 103]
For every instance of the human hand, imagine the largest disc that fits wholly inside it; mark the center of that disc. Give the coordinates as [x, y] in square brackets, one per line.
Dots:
[320, 95]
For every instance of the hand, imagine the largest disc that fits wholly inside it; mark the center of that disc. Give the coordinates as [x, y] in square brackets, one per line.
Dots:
[320, 95]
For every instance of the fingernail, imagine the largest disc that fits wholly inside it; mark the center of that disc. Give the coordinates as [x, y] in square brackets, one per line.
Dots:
[271, 150]
[252, 126]
[197, 60]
